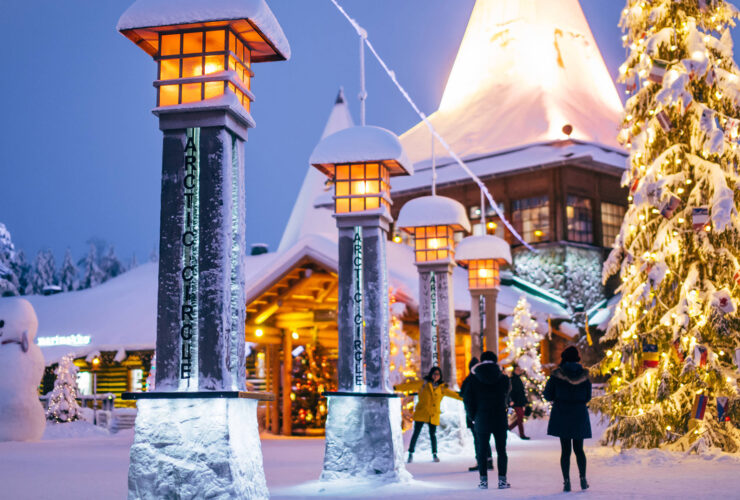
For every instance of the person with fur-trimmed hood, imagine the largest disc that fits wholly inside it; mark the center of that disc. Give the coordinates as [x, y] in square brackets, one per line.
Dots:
[486, 400]
[569, 389]
[469, 418]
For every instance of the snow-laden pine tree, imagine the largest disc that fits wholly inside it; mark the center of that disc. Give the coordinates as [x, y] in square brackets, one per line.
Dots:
[63, 406]
[111, 265]
[44, 272]
[23, 271]
[672, 340]
[523, 345]
[92, 275]
[68, 274]
[8, 258]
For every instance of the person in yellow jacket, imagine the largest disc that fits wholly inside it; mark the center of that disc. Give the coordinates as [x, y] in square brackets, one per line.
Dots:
[431, 390]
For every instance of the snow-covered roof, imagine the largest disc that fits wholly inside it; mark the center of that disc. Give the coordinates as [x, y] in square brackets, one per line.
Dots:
[539, 155]
[431, 211]
[484, 246]
[361, 144]
[120, 313]
[523, 71]
[158, 13]
[305, 218]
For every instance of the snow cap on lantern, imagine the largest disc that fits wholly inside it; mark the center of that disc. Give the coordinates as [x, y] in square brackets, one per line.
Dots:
[360, 161]
[433, 220]
[205, 50]
[483, 254]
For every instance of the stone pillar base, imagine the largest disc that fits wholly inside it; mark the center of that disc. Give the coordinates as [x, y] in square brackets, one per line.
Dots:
[196, 448]
[453, 435]
[364, 439]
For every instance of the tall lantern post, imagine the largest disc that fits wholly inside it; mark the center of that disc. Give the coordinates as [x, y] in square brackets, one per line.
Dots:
[484, 256]
[196, 435]
[363, 428]
[433, 221]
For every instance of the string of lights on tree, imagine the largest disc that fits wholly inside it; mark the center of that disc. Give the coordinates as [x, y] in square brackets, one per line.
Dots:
[404, 359]
[313, 374]
[63, 406]
[672, 378]
[523, 346]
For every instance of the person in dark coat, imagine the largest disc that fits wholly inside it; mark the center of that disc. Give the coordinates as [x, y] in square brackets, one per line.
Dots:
[518, 400]
[569, 389]
[469, 419]
[486, 400]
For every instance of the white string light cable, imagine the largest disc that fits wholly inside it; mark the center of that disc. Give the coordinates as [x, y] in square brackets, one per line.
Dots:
[392, 75]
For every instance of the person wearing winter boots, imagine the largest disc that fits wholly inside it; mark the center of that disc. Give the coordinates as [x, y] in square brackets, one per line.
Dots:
[569, 389]
[487, 400]
[518, 400]
[431, 390]
[469, 419]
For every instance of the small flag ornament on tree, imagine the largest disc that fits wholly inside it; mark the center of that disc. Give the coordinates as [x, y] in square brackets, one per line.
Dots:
[650, 355]
[722, 415]
[699, 407]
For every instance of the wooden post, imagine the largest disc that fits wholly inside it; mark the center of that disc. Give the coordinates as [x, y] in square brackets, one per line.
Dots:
[286, 381]
[274, 374]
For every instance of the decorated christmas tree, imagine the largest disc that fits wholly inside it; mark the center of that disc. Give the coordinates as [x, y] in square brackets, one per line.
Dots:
[672, 379]
[63, 405]
[523, 345]
[313, 373]
[404, 359]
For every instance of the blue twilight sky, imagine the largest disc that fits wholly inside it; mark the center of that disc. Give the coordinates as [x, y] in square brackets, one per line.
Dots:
[81, 150]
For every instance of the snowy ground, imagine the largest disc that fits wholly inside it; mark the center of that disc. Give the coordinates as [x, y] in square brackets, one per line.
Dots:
[73, 463]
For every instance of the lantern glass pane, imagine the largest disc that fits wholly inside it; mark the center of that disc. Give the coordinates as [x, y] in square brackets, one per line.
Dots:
[239, 49]
[357, 204]
[192, 66]
[169, 95]
[215, 41]
[214, 64]
[214, 89]
[372, 203]
[192, 43]
[342, 206]
[358, 171]
[343, 172]
[372, 187]
[232, 42]
[169, 69]
[170, 45]
[191, 92]
[342, 189]
[372, 171]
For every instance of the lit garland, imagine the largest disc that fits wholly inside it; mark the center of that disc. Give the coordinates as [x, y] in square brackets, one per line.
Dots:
[677, 252]
[522, 344]
[404, 360]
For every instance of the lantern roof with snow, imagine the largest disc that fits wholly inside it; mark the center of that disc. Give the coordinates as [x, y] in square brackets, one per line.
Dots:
[482, 247]
[251, 19]
[360, 145]
[433, 211]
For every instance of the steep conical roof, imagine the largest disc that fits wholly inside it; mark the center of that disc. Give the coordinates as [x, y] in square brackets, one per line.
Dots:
[304, 218]
[525, 69]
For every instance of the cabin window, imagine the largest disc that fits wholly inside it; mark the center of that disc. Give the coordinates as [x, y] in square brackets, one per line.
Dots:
[531, 218]
[84, 383]
[612, 216]
[580, 219]
[136, 380]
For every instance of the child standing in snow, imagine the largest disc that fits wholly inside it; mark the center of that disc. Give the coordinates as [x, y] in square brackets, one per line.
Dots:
[431, 391]
[569, 389]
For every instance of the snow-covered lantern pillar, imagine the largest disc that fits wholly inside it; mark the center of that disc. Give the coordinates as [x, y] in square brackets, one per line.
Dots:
[363, 433]
[197, 434]
[433, 221]
[484, 256]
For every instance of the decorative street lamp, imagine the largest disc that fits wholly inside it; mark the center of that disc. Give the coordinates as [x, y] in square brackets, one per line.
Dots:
[363, 434]
[483, 255]
[433, 221]
[196, 434]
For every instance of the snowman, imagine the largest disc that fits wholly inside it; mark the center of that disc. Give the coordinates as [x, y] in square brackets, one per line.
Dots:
[21, 368]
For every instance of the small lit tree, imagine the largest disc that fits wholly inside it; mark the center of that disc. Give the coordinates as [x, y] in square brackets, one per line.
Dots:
[523, 344]
[313, 374]
[63, 406]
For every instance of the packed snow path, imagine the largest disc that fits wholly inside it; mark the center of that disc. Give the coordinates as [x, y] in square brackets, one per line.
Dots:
[96, 466]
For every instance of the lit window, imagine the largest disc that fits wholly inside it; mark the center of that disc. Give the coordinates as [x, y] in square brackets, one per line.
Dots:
[361, 186]
[136, 380]
[531, 218]
[433, 243]
[580, 219]
[84, 383]
[611, 221]
[209, 52]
